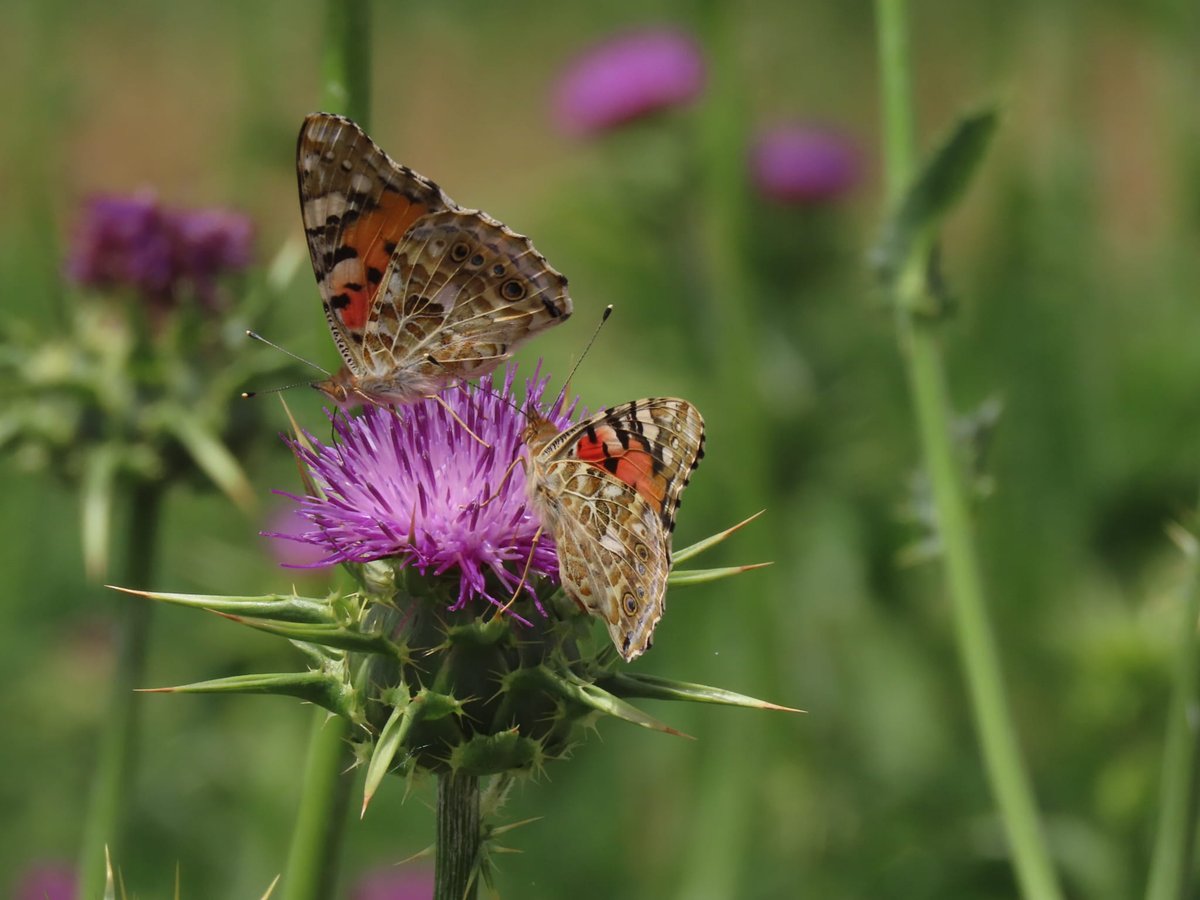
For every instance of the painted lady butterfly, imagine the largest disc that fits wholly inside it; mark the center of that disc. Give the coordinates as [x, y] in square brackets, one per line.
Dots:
[419, 292]
[607, 488]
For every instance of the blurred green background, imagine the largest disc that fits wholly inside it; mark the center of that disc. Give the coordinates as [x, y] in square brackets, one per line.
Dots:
[1075, 261]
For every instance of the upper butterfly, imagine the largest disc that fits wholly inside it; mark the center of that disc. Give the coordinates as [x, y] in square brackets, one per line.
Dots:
[607, 489]
[420, 293]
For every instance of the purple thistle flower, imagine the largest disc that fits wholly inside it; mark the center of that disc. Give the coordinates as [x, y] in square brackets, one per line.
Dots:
[627, 78]
[135, 242]
[46, 881]
[391, 883]
[412, 484]
[804, 164]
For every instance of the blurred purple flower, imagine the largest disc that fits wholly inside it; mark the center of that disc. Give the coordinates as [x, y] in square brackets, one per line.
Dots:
[626, 78]
[293, 550]
[135, 242]
[46, 881]
[392, 883]
[804, 164]
[412, 484]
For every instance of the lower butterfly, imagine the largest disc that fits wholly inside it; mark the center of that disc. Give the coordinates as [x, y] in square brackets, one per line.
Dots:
[607, 489]
[419, 293]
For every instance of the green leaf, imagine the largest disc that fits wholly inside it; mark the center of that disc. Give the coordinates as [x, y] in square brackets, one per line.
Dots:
[700, 576]
[936, 190]
[325, 635]
[319, 688]
[96, 501]
[388, 743]
[210, 455]
[277, 607]
[595, 697]
[699, 547]
[653, 687]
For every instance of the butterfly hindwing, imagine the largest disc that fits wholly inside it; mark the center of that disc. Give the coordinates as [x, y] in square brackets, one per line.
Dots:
[465, 290]
[613, 554]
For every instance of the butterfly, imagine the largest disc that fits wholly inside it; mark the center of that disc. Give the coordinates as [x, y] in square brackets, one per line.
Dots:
[420, 294]
[607, 489]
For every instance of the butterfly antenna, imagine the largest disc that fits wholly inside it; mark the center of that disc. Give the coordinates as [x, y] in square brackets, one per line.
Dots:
[298, 358]
[246, 395]
[562, 395]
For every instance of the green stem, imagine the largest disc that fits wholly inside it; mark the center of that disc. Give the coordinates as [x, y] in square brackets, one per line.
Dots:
[458, 837]
[346, 63]
[919, 340]
[105, 819]
[312, 864]
[1171, 864]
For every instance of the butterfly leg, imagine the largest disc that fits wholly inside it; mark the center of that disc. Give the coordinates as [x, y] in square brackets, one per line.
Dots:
[455, 417]
[500, 486]
[524, 574]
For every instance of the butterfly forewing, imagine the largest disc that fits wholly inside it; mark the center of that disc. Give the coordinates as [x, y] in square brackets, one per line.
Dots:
[357, 205]
[406, 274]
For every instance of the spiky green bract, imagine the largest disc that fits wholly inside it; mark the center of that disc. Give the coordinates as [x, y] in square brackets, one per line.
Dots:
[448, 691]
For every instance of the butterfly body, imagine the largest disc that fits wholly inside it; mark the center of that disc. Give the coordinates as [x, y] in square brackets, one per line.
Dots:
[419, 293]
[607, 489]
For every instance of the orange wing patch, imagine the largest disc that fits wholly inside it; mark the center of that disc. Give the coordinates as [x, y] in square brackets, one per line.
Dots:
[367, 245]
[630, 460]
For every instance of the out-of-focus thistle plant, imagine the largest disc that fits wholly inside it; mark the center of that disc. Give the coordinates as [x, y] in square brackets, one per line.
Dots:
[132, 389]
[439, 669]
[126, 394]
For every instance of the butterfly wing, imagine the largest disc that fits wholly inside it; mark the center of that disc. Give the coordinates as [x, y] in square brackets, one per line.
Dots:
[406, 274]
[357, 205]
[609, 488]
[613, 553]
[465, 290]
[653, 445]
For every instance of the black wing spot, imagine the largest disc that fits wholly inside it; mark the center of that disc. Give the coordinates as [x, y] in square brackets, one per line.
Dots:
[343, 252]
[352, 286]
[498, 269]
[477, 260]
[374, 275]
[389, 247]
[513, 290]
[554, 311]
[339, 301]
[610, 464]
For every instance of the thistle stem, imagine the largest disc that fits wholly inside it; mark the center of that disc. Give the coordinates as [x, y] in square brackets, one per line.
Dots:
[316, 847]
[105, 819]
[919, 339]
[458, 837]
[312, 864]
[1171, 863]
[346, 59]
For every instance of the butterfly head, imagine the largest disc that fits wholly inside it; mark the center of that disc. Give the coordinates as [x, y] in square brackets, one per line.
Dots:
[539, 430]
[341, 388]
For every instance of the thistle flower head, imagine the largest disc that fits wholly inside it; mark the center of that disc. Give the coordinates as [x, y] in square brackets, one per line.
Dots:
[416, 485]
[628, 78]
[801, 164]
[135, 242]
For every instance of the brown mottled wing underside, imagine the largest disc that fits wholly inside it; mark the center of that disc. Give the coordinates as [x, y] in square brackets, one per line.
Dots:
[613, 554]
[406, 274]
[653, 445]
[465, 290]
[357, 205]
[610, 487]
